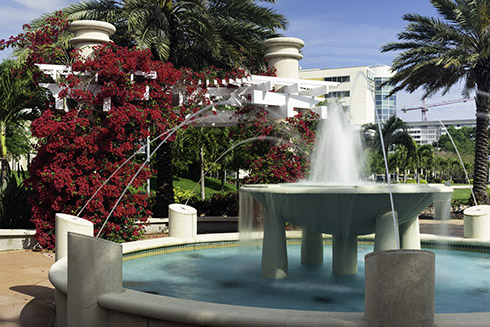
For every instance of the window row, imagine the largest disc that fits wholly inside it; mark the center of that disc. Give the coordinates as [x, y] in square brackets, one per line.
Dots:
[338, 94]
[339, 79]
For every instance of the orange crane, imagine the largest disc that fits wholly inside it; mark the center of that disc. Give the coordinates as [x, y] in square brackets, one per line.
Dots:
[425, 107]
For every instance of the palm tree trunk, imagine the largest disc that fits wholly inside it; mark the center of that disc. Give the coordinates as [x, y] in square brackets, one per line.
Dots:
[203, 187]
[481, 148]
[165, 190]
[5, 169]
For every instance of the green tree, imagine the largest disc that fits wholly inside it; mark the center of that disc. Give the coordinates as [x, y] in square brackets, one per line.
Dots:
[400, 161]
[464, 138]
[189, 33]
[437, 54]
[393, 131]
[18, 96]
[422, 154]
[200, 144]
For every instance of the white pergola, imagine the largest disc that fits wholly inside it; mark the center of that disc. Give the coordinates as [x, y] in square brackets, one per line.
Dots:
[280, 96]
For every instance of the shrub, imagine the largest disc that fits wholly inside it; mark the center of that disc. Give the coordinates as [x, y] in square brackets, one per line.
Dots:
[15, 211]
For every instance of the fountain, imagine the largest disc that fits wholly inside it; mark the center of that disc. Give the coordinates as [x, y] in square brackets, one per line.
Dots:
[335, 201]
[89, 286]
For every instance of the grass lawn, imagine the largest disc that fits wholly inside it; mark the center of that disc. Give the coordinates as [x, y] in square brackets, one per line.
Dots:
[462, 195]
[212, 185]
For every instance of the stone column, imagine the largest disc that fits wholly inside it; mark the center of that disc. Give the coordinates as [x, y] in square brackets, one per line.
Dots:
[400, 288]
[94, 268]
[442, 206]
[283, 54]
[311, 248]
[182, 221]
[67, 223]
[386, 234]
[344, 254]
[477, 222]
[89, 33]
[410, 234]
[274, 248]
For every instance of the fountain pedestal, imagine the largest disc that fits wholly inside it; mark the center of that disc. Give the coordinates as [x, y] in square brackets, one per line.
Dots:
[343, 211]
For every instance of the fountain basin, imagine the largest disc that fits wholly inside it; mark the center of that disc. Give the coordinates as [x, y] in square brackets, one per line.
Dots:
[135, 308]
[343, 211]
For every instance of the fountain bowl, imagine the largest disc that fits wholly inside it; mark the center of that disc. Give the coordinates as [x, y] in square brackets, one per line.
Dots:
[345, 209]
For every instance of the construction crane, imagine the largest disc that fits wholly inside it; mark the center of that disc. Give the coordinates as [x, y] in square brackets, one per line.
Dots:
[425, 107]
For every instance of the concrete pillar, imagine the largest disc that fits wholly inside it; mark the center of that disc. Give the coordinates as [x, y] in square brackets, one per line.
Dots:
[274, 247]
[386, 237]
[442, 206]
[410, 235]
[67, 223]
[399, 288]
[283, 54]
[90, 33]
[344, 253]
[477, 222]
[182, 221]
[94, 268]
[311, 248]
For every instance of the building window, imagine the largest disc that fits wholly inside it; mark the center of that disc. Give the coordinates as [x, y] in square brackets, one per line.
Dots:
[339, 79]
[338, 94]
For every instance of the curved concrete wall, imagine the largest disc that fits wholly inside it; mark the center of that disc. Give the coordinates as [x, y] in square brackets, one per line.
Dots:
[134, 309]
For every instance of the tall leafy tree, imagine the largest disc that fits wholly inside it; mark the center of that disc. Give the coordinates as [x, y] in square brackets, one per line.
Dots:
[423, 154]
[393, 131]
[18, 97]
[189, 33]
[438, 53]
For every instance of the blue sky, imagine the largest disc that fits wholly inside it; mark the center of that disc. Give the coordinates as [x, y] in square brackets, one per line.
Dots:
[336, 34]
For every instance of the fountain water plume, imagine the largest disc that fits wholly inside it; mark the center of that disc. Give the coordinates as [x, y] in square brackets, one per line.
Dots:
[337, 158]
[457, 152]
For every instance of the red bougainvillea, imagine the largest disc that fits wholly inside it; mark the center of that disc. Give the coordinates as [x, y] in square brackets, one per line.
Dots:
[80, 148]
[284, 153]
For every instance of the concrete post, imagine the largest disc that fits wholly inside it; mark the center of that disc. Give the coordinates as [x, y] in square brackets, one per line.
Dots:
[386, 234]
[283, 54]
[182, 221]
[442, 206]
[311, 248]
[94, 268]
[399, 288]
[90, 33]
[410, 235]
[477, 222]
[274, 247]
[344, 254]
[67, 223]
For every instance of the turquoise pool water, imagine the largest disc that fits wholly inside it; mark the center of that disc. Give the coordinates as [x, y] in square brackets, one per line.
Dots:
[232, 276]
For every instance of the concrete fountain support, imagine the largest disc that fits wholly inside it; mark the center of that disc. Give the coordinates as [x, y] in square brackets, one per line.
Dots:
[343, 211]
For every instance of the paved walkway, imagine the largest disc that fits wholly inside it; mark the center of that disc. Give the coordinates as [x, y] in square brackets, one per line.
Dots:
[27, 296]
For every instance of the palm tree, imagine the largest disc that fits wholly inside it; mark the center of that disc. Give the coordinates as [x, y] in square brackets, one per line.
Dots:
[423, 153]
[17, 93]
[189, 33]
[393, 131]
[437, 54]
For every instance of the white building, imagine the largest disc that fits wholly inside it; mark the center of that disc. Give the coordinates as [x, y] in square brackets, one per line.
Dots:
[428, 132]
[359, 90]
